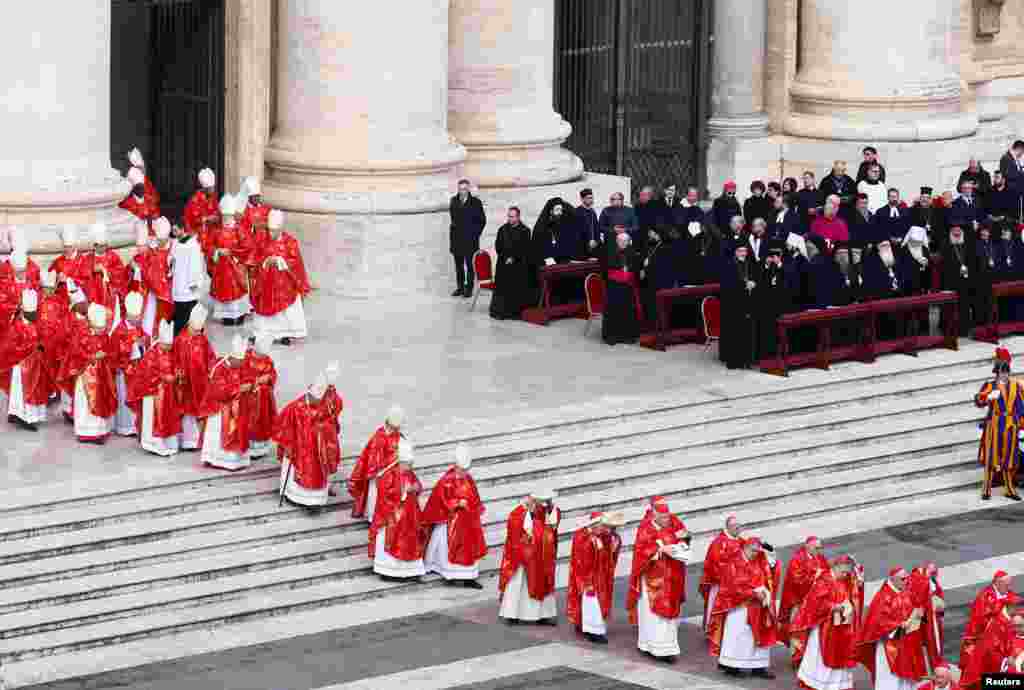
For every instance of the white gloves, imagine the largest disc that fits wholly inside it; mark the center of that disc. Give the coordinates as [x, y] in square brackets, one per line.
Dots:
[994, 395]
[549, 261]
[282, 265]
[552, 518]
[216, 255]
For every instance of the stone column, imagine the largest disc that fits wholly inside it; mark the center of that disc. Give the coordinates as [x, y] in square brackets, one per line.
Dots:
[867, 80]
[500, 93]
[738, 57]
[55, 163]
[362, 104]
[247, 49]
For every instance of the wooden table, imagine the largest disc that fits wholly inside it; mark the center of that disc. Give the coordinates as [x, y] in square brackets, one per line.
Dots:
[868, 345]
[548, 276]
[664, 335]
[993, 331]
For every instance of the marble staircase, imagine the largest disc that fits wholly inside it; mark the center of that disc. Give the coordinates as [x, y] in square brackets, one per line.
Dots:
[92, 571]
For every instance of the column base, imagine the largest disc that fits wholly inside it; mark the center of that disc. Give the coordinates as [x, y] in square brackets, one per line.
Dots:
[367, 256]
[742, 161]
[520, 166]
[745, 126]
[871, 127]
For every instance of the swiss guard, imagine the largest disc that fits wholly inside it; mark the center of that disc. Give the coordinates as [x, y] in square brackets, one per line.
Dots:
[999, 452]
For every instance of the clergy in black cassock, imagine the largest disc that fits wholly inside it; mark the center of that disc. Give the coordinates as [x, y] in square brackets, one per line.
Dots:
[957, 275]
[515, 274]
[740, 278]
[556, 239]
[660, 269]
[621, 320]
[774, 298]
[985, 275]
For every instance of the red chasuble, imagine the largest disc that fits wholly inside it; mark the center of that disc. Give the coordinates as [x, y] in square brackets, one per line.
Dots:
[194, 357]
[536, 552]
[931, 630]
[261, 407]
[888, 611]
[987, 606]
[156, 278]
[722, 550]
[380, 451]
[122, 341]
[97, 374]
[740, 578]
[253, 216]
[224, 397]
[20, 345]
[32, 278]
[275, 290]
[991, 647]
[138, 261]
[302, 434]
[98, 290]
[52, 323]
[147, 209]
[149, 378]
[592, 572]
[76, 328]
[455, 502]
[664, 577]
[837, 636]
[801, 572]
[398, 511]
[228, 280]
[69, 267]
[1014, 650]
[197, 208]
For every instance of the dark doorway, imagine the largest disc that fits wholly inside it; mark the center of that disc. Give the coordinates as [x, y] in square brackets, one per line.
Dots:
[631, 76]
[167, 91]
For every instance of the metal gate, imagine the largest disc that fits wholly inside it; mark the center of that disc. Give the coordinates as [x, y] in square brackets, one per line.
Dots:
[631, 76]
[172, 107]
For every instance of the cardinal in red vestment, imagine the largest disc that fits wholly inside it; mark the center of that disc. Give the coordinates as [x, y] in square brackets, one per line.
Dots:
[226, 428]
[928, 596]
[89, 365]
[69, 265]
[306, 436]
[279, 283]
[142, 205]
[52, 323]
[526, 580]
[595, 555]
[194, 358]
[379, 453]
[227, 253]
[128, 343]
[75, 325]
[742, 627]
[137, 161]
[156, 279]
[136, 266]
[724, 547]
[330, 413]
[254, 216]
[453, 515]
[990, 647]
[397, 533]
[804, 567]
[826, 626]
[24, 374]
[259, 370]
[108, 277]
[1013, 658]
[22, 271]
[892, 657]
[154, 393]
[942, 679]
[201, 211]
[987, 605]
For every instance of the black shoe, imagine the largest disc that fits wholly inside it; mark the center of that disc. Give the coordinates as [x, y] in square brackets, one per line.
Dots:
[762, 673]
[32, 427]
[286, 341]
[729, 670]
[666, 659]
[510, 621]
[453, 583]
[11, 419]
[986, 496]
[548, 621]
[458, 292]
[68, 418]
[1013, 497]
[467, 293]
[596, 639]
[227, 322]
[472, 584]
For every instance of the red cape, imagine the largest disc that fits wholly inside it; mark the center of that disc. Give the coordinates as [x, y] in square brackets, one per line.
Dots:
[592, 572]
[466, 542]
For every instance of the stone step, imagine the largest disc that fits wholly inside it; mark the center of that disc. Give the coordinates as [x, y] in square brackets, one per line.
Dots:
[255, 606]
[436, 455]
[41, 591]
[540, 464]
[202, 588]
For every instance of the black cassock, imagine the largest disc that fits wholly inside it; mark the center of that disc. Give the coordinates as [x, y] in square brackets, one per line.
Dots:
[515, 274]
[774, 299]
[739, 337]
[958, 263]
[620, 323]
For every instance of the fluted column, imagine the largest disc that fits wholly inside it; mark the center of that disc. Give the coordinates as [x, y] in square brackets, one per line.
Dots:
[737, 63]
[55, 163]
[362, 104]
[500, 93]
[866, 79]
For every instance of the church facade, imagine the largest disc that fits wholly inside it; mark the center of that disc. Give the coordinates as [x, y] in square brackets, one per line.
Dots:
[356, 117]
